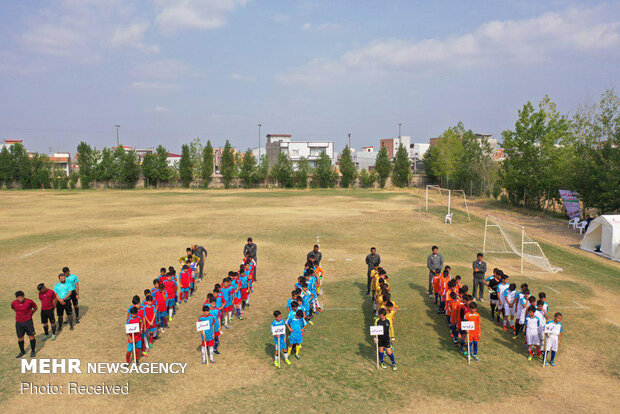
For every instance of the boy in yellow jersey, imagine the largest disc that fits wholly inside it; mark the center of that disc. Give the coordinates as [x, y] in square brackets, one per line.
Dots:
[374, 275]
[390, 309]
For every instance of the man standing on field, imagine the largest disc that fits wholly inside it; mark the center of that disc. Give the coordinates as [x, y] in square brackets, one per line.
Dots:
[251, 248]
[24, 308]
[316, 254]
[372, 260]
[434, 262]
[480, 268]
[201, 253]
[74, 283]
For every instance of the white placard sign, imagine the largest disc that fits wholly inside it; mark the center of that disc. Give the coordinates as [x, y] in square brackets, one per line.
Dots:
[278, 330]
[468, 326]
[203, 326]
[132, 328]
[376, 330]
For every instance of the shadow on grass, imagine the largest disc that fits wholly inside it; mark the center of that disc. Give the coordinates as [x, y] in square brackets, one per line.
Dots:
[41, 343]
[439, 323]
[366, 349]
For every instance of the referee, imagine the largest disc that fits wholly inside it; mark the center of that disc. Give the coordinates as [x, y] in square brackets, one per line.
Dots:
[24, 308]
[201, 253]
[74, 283]
[63, 295]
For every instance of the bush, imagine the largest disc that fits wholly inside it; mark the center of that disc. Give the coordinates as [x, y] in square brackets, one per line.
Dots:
[367, 178]
[73, 178]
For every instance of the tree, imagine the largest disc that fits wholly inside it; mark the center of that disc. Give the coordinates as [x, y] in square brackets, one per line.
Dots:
[207, 164]
[73, 179]
[130, 169]
[22, 169]
[104, 171]
[228, 168]
[41, 171]
[185, 166]
[348, 170]
[383, 166]
[195, 151]
[282, 171]
[432, 161]
[300, 176]
[149, 169]
[368, 178]
[117, 166]
[161, 165]
[402, 167]
[85, 162]
[6, 167]
[261, 172]
[324, 173]
[247, 171]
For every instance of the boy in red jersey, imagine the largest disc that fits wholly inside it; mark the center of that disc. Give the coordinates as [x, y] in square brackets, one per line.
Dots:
[48, 304]
[185, 283]
[170, 286]
[161, 299]
[134, 340]
[150, 315]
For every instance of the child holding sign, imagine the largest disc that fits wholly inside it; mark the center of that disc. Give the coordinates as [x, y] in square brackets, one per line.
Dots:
[134, 339]
[553, 330]
[280, 340]
[384, 340]
[474, 334]
[207, 334]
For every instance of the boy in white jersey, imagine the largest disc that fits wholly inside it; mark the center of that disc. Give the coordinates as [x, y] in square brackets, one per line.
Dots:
[509, 302]
[553, 338]
[501, 288]
[522, 304]
[532, 324]
[542, 315]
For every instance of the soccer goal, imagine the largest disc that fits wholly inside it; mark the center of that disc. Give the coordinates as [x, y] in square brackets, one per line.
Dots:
[501, 236]
[445, 200]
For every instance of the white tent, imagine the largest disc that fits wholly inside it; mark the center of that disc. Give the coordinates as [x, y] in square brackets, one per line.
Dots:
[604, 233]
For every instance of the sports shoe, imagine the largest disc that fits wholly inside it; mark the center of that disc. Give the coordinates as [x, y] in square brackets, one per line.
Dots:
[475, 357]
[481, 299]
[21, 354]
[212, 361]
[216, 352]
[276, 363]
[53, 337]
[287, 361]
[297, 356]
[320, 310]
[204, 361]
[394, 368]
[33, 354]
[529, 358]
[515, 337]
[227, 327]
[170, 318]
[247, 305]
[45, 338]
[77, 321]
[464, 353]
[504, 328]
[552, 363]
[430, 295]
[310, 322]
[383, 365]
[71, 328]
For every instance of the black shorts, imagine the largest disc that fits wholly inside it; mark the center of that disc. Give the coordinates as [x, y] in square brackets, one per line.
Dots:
[74, 298]
[47, 315]
[61, 309]
[22, 328]
[384, 343]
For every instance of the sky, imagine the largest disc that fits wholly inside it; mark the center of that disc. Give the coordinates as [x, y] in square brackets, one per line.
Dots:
[169, 71]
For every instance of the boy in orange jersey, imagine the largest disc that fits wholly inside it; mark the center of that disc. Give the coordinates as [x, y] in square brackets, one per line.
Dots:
[437, 287]
[462, 311]
[443, 285]
[455, 304]
[474, 335]
[449, 289]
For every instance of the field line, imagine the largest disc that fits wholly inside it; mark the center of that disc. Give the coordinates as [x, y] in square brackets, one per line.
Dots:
[549, 287]
[612, 322]
[35, 252]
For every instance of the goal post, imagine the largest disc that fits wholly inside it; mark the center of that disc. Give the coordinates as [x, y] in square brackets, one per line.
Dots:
[504, 237]
[447, 200]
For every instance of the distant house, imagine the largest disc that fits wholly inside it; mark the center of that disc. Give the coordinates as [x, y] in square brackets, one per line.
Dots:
[173, 159]
[392, 144]
[364, 159]
[61, 161]
[8, 143]
[311, 150]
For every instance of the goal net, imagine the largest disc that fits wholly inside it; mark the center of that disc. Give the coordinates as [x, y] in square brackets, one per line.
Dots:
[442, 201]
[501, 236]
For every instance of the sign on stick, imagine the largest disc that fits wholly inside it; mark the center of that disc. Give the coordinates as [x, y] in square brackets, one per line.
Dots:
[203, 326]
[468, 326]
[132, 328]
[278, 330]
[376, 330]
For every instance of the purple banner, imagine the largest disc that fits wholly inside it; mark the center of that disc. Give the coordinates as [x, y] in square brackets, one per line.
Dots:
[571, 202]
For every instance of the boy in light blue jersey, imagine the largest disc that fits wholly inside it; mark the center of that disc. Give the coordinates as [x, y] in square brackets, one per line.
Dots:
[280, 340]
[227, 295]
[307, 299]
[217, 314]
[296, 327]
[63, 304]
[312, 282]
[208, 335]
[553, 338]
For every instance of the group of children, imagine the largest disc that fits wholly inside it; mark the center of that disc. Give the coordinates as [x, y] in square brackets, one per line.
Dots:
[522, 313]
[385, 309]
[228, 300]
[302, 307]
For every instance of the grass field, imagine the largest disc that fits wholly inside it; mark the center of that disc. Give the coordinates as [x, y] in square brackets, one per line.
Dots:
[116, 241]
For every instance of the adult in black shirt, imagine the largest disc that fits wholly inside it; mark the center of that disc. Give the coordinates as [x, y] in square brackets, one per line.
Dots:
[492, 285]
[372, 260]
[316, 254]
[201, 253]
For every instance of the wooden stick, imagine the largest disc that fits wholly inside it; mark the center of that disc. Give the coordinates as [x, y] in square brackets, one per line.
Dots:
[545, 350]
[468, 350]
[135, 358]
[377, 353]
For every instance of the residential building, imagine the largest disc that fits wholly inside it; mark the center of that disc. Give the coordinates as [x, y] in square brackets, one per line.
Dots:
[418, 149]
[392, 144]
[277, 143]
[173, 159]
[364, 159]
[10, 142]
[61, 161]
[217, 158]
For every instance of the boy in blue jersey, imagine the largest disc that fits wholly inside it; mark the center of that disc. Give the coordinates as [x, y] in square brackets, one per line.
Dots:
[248, 274]
[208, 335]
[134, 340]
[293, 298]
[280, 340]
[227, 295]
[296, 327]
[63, 301]
[312, 281]
[307, 299]
[216, 313]
[73, 282]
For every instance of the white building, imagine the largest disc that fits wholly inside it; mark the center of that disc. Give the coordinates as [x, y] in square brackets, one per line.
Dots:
[277, 143]
[418, 149]
[364, 159]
